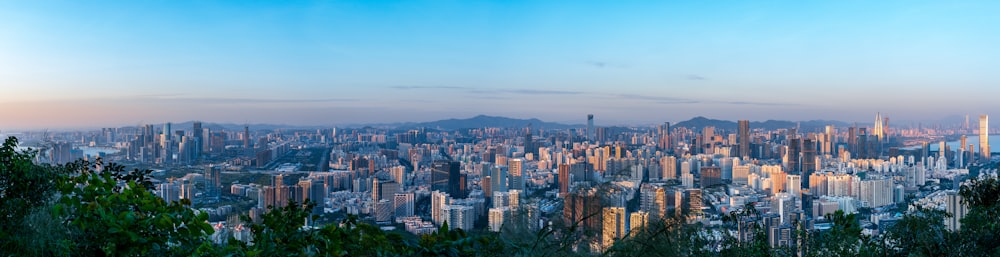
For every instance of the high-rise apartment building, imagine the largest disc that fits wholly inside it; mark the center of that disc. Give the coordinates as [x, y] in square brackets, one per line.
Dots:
[956, 210]
[498, 178]
[496, 218]
[694, 201]
[638, 220]
[582, 207]
[668, 166]
[665, 143]
[653, 200]
[459, 216]
[614, 225]
[563, 179]
[793, 185]
[516, 169]
[711, 176]
[404, 204]
[875, 193]
[383, 211]
[740, 174]
[438, 201]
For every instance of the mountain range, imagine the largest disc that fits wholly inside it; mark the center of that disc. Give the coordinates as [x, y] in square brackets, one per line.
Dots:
[483, 121]
[699, 122]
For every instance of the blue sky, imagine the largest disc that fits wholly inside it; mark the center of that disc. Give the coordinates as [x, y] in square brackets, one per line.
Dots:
[110, 63]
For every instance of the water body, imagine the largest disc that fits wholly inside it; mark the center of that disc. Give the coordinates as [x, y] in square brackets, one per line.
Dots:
[96, 151]
[973, 140]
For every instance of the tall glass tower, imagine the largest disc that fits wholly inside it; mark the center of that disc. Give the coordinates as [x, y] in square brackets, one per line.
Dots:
[984, 137]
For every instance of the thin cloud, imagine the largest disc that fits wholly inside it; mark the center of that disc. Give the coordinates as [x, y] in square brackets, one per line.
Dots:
[487, 97]
[226, 100]
[679, 100]
[604, 64]
[492, 91]
[695, 77]
[421, 101]
[757, 103]
[539, 92]
[158, 95]
[522, 92]
[653, 98]
[427, 87]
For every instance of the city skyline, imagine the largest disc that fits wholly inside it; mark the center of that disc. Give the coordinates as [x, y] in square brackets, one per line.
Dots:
[100, 64]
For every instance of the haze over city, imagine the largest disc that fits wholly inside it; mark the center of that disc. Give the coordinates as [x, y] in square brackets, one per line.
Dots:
[70, 64]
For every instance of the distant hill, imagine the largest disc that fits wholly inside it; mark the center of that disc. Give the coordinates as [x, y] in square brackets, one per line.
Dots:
[483, 121]
[805, 126]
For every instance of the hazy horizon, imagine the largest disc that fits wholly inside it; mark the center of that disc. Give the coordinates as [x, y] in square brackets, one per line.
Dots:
[93, 64]
[581, 121]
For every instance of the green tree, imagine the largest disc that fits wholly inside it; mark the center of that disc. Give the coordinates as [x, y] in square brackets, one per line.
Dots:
[921, 232]
[665, 237]
[280, 232]
[26, 191]
[746, 221]
[980, 233]
[111, 212]
[841, 240]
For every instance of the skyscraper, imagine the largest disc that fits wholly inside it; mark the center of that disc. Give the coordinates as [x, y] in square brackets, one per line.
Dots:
[665, 144]
[199, 140]
[529, 143]
[447, 177]
[808, 159]
[744, 139]
[590, 127]
[852, 140]
[965, 126]
[879, 131]
[166, 131]
[246, 137]
[984, 137]
[794, 149]
[166, 145]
